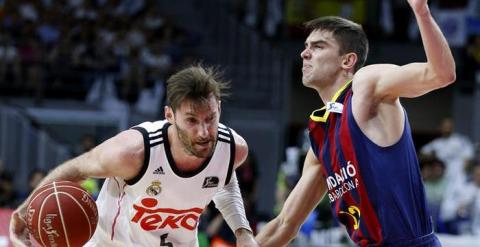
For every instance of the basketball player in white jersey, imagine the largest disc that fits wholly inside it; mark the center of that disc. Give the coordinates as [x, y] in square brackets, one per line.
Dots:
[161, 175]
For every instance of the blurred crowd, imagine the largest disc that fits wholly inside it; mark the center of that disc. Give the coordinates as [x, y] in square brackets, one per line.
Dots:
[61, 48]
[450, 167]
[70, 48]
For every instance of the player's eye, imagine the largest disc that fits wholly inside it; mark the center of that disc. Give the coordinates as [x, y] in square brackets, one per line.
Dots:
[191, 120]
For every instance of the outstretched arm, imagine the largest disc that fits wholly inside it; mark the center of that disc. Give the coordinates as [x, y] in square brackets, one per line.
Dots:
[390, 81]
[120, 156]
[377, 88]
[229, 202]
[229, 199]
[300, 203]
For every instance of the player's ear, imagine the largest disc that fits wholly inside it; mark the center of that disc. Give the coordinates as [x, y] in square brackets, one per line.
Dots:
[169, 114]
[219, 106]
[349, 60]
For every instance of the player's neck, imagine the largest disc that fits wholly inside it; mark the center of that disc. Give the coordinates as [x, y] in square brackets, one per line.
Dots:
[186, 162]
[331, 88]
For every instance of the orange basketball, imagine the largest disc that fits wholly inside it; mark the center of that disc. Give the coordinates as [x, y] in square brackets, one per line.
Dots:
[61, 214]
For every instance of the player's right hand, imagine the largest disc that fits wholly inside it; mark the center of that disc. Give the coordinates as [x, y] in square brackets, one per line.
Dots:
[19, 234]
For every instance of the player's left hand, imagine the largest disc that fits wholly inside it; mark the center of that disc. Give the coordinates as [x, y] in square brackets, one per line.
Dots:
[418, 4]
[19, 234]
[245, 238]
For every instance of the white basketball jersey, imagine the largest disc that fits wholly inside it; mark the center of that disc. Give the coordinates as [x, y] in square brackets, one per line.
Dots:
[162, 205]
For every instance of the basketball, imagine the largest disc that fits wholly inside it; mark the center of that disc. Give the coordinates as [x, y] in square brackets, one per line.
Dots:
[61, 214]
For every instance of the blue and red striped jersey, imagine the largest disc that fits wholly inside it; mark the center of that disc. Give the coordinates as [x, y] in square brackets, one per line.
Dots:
[376, 192]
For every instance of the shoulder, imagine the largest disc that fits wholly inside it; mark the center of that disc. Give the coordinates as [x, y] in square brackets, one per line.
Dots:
[151, 126]
[370, 75]
[122, 155]
[367, 86]
[152, 132]
[460, 137]
[125, 142]
[241, 148]
[379, 115]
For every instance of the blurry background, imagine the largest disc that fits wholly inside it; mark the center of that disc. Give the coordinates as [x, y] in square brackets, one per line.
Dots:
[75, 72]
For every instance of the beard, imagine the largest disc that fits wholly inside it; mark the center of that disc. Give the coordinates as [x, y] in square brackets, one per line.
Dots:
[189, 144]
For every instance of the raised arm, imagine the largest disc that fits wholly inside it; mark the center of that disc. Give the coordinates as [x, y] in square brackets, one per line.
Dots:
[120, 156]
[377, 88]
[388, 82]
[300, 203]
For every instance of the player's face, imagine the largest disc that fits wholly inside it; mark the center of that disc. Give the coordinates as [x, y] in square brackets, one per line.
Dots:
[197, 126]
[321, 59]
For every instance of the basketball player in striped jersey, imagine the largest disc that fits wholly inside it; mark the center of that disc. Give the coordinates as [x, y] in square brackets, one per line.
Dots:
[362, 156]
[161, 175]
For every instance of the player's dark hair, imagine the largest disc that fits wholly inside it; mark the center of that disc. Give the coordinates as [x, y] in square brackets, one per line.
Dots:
[196, 83]
[349, 35]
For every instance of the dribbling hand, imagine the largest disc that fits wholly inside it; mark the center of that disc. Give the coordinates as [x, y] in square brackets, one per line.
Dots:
[19, 234]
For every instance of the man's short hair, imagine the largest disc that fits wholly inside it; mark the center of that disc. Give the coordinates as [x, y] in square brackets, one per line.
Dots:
[349, 35]
[196, 83]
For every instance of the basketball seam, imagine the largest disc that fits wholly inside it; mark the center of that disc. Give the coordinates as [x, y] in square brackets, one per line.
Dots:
[83, 210]
[39, 191]
[61, 214]
[56, 186]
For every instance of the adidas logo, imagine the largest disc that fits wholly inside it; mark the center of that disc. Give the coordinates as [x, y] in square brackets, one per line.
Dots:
[159, 170]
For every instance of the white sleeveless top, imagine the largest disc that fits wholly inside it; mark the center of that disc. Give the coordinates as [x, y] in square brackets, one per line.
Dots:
[161, 206]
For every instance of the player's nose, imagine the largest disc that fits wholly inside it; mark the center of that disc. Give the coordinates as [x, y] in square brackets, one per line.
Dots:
[305, 54]
[203, 130]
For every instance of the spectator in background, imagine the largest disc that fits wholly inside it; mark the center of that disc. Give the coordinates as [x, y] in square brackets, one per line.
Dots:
[453, 149]
[7, 192]
[474, 185]
[61, 50]
[90, 184]
[467, 210]
[87, 142]
[473, 54]
[433, 171]
[34, 179]
[10, 69]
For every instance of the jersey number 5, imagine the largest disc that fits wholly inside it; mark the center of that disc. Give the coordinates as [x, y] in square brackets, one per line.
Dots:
[163, 241]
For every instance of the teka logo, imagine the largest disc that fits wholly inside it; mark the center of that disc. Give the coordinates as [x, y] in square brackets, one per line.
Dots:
[150, 218]
[210, 182]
